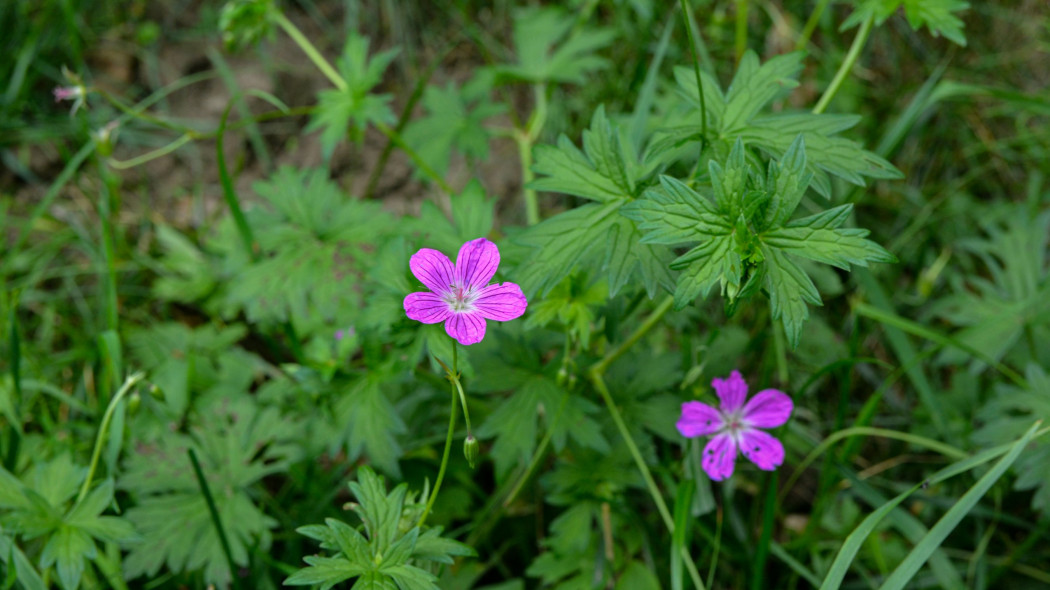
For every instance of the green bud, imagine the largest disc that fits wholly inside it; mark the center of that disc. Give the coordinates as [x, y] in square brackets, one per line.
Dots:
[134, 402]
[156, 392]
[471, 450]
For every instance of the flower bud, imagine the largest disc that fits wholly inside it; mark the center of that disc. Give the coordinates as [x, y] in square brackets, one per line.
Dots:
[134, 402]
[471, 450]
[156, 392]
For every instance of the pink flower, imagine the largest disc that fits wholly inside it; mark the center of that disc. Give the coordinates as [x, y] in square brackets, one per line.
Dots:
[461, 296]
[735, 426]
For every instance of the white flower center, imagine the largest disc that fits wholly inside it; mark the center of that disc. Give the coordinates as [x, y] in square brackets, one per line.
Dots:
[460, 300]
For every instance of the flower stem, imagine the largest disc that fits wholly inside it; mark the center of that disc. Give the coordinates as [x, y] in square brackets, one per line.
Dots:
[459, 389]
[650, 483]
[601, 366]
[310, 51]
[525, 140]
[740, 44]
[811, 25]
[448, 437]
[847, 64]
[686, 18]
[101, 436]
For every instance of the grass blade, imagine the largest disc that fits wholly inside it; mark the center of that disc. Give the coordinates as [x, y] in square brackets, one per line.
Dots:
[860, 534]
[918, 556]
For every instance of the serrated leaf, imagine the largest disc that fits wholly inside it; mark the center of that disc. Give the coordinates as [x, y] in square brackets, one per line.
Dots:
[600, 172]
[337, 108]
[737, 117]
[939, 16]
[790, 289]
[239, 443]
[812, 238]
[513, 423]
[755, 85]
[326, 571]
[371, 424]
[454, 123]
[675, 214]
[548, 52]
[714, 261]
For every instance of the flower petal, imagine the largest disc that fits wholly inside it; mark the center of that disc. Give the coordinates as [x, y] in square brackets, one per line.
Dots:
[466, 328]
[476, 263]
[502, 302]
[768, 409]
[433, 269]
[732, 391]
[426, 307]
[762, 448]
[699, 419]
[719, 457]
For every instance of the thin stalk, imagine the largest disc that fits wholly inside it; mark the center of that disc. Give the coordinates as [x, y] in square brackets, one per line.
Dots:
[106, 201]
[395, 138]
[402, 121]
[525, 141]
[338, 81]
[444, 461]
[811, 24]
[650, 483]
[102, 429]
[243, 229]
[459, 390]
[601, 366]
[448, 437]
[151, 155]
[847, 64]
[699, 79]
[214, 512]
[740, 45]
[310, 51]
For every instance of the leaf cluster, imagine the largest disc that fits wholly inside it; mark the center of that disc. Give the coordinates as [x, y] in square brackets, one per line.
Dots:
[386, 552]
[42, 507]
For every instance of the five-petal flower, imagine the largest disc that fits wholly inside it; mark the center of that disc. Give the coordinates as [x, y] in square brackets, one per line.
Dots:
[461, 295]
[735, 425]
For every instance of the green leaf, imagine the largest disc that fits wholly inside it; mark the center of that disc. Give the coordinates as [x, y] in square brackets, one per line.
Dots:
[790, 289]
[68, 549]
[737, 117]
[600, 172]
[390, 556]
[513, 423]
[337, 108]
[674, 214]
[371, 424]
[755, 85]
[239, 442]
[326, 571]
[454, 123]
[992, 313]
[939, 16]
[549, 50]
[1006, 415]
[316, 244]
[815, 239]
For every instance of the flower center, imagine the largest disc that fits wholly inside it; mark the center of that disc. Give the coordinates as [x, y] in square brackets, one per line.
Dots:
[460, 300]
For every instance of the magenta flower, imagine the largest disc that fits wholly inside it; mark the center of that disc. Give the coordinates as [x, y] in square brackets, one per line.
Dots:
[735, 426]
[461, 295]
